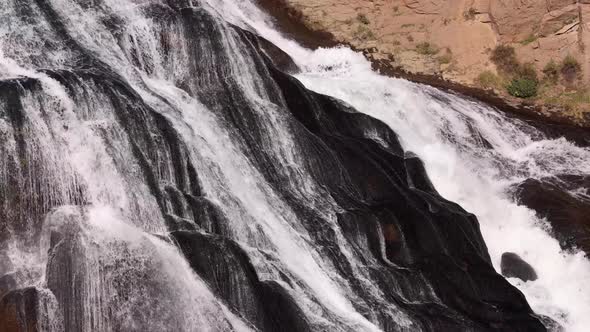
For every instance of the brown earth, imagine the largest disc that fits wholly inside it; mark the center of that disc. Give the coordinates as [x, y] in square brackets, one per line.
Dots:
[448, 44]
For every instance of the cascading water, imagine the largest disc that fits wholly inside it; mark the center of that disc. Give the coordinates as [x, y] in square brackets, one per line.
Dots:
[477, 171]
[158, 172]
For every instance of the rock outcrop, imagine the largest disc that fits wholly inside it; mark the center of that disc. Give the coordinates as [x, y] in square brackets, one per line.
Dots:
[29, 310]
[564, 203]
[515, 267]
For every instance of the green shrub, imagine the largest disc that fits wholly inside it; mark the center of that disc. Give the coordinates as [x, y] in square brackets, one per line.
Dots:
[551, 71]
[504, 57]
[488, 80]
[426, 48]
[522, 88]
[362, 18]
[570, 68]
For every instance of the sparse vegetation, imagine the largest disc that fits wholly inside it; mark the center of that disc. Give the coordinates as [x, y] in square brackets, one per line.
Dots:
[504, 57]
[362, 18]
[551, 72]
[489, 80]
[426, 48]
[570, 101]
[571, 19]
[528, 71]
[531, 38]
[395, 43]
[570, 68]
[522, 88]
[445, 59]
[363, 33]
[470, 14]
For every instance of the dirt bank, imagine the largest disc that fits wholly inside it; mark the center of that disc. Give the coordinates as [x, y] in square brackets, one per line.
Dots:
[449, 44]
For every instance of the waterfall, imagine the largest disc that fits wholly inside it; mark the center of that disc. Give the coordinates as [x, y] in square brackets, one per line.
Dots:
[161, 171]
[478, 174]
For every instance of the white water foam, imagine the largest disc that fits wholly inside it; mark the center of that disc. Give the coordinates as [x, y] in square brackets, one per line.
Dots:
[435, 126]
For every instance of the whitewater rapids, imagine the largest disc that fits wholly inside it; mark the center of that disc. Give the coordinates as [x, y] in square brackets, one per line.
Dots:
[436, 126]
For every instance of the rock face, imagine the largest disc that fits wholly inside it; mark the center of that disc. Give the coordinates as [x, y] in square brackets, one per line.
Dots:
[29, 310]
[462, 33]
[7, 283]
[515, 267]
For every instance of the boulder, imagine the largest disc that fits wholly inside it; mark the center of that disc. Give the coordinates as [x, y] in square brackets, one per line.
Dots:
[7, 283]
[556, 200]
[29, 310]
[515, 267]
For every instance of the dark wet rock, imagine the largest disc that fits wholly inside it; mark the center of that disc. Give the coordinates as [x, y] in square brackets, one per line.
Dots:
[66, 270]
[5, 263]
[551, 324]
[8, 282]
[565, 203]
[417, 177]
[228, 271]
[207, 215]
[438, 235]
[283, 312]
[513, 266]
[176, 223]
[29, 310]
[18, 311]
[291, 23]
[280, 59]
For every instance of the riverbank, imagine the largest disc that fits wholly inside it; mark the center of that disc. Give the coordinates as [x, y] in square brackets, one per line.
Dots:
[369, 28]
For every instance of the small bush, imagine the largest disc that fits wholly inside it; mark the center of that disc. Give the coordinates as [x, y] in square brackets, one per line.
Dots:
[531, 38]
[488, 80]
[570, 68]
[396, 8]
[528, 71]
[470, 14]
[363, 33]
[426, 48]
[410, 38]
[551, 71]
[409, 25]
[504, 57]
[445, 58]
[522, 88]
[362, 18]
